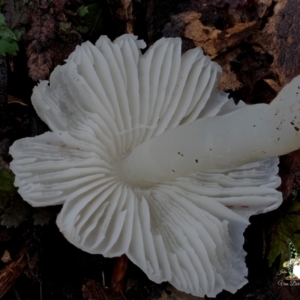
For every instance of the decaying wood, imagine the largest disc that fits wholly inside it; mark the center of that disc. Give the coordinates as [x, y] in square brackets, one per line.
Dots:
[212, 40]
[280, 38]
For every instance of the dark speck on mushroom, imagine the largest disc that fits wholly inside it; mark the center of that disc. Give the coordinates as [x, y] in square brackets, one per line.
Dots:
[173, 171]
[292, 123]
[196, 160]
[296, 128]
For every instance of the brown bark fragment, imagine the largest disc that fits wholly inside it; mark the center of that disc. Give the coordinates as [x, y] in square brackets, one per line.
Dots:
[213, 41]
[119, 273]
[280, 38]
[273, 85]
[262, 7]
[228, 80]
[124, 12]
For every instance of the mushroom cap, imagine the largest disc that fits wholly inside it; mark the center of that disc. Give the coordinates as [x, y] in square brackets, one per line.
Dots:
[100, 105]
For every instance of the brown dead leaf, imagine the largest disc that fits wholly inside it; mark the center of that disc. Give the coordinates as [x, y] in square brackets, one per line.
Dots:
[59, 5]
[39, 63]
[281, 37]
[13, 270]
[40, 39]
[16, 13]
[93, 290]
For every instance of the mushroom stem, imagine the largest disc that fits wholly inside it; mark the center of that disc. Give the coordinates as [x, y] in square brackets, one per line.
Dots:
[237, 138]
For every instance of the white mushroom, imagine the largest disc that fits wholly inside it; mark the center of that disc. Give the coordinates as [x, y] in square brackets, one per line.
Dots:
[150, 160]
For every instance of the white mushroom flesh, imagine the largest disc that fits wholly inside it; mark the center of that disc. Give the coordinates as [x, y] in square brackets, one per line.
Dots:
[120, 120]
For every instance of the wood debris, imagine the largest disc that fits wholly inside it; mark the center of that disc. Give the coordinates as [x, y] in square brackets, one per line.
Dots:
[13, 270]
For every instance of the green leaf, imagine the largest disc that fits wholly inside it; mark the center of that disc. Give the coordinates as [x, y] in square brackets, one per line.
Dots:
[6, 181]
[7, 188]
[94, 19]
[283, 232]
[19, 32]
[8, 44]
[82, 10]
[8, 47]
